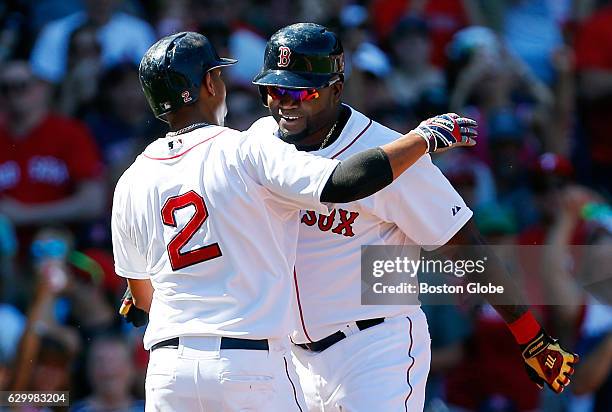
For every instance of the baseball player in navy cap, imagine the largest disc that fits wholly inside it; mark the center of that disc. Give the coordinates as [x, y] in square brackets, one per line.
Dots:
[352, 357]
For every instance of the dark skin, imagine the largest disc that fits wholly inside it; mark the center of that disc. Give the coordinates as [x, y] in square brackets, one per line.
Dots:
[316, 117]
[210, 107]
[513, 301]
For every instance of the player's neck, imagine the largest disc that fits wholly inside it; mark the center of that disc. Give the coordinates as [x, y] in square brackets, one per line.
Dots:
[186, 118]
[326, 135]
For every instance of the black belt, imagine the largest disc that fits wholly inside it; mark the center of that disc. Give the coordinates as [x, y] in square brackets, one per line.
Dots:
[226, 343]
[321, 345]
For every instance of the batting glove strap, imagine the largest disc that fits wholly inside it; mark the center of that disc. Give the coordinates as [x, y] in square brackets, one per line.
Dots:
[546, 362]
[427, 134]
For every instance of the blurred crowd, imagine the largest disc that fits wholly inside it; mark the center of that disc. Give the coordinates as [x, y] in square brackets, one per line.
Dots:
[536, 74]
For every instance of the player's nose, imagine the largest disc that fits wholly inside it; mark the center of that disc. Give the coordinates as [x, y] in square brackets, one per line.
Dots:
[286, 102]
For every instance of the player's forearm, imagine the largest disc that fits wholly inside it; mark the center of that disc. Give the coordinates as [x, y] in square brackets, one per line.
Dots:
[369, 171]
[404, 152]
[357, 177]
[142, 293]
[511, 304]
[365, 173]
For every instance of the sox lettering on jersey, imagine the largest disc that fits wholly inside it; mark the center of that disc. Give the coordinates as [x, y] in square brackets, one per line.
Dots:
[326, 222]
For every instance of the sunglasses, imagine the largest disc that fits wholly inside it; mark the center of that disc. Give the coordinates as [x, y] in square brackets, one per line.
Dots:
[297, 95]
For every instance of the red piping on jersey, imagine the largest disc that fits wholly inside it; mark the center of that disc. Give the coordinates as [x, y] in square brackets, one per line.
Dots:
[411, 365]
[297, 294]
[297, 289]
[188, 150]
[354, 140]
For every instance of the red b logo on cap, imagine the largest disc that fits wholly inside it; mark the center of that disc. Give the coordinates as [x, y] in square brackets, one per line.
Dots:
[284, 56]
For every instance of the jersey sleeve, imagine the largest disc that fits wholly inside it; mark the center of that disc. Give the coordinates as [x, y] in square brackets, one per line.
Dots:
[296, 177]
[129, 262]
[423, 204]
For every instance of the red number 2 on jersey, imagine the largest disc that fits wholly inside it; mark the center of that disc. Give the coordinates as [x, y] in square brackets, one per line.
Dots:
[178, 259]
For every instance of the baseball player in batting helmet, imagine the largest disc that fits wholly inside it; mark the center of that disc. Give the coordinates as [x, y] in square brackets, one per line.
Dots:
[349, 356]
[204, 227]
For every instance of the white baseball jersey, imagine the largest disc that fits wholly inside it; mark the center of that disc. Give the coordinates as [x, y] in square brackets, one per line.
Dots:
[211, 217]
[418, 208]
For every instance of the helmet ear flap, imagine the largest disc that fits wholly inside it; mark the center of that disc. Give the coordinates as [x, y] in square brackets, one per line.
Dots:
[263, 93]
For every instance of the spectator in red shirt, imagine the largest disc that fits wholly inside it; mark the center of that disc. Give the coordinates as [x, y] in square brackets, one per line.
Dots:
[50, 169]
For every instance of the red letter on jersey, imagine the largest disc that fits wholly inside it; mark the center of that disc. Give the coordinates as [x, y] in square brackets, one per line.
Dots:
[326, 222]
[309, 218]
[178, 259]
[345, 223]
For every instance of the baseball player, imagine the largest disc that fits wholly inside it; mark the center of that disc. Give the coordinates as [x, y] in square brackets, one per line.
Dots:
[205, 225]
[369, 358]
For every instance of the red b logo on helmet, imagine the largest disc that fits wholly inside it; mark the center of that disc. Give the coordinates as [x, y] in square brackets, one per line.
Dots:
[284, 56]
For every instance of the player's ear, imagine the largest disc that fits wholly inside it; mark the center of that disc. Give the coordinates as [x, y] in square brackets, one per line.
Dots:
[209, 84]
[336, 90]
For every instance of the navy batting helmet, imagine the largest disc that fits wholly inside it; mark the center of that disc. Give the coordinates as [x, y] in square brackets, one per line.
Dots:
[172, 70]
[303, 55]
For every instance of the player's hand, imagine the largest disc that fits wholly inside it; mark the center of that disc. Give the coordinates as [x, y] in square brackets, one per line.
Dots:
[130, 312]
[446, 131]
[546, 362]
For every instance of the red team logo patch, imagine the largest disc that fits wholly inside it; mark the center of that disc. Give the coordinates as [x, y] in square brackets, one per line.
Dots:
[284, 57]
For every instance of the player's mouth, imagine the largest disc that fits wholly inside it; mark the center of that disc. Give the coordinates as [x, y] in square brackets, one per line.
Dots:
[291, 123]
[289, 118]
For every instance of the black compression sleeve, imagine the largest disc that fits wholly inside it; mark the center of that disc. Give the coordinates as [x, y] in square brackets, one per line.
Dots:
[358, 176]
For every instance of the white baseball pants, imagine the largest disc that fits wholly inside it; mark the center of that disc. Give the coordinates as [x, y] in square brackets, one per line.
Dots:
[198, 376]
[382, 368]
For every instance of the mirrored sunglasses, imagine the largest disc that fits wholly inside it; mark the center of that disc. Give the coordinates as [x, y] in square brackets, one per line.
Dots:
[298, 95]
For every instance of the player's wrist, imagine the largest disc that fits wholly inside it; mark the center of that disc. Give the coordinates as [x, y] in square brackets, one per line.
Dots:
[427, 136]
[525, 328]
[421, 139]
